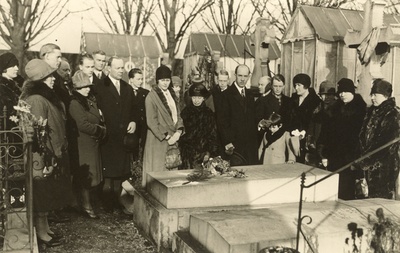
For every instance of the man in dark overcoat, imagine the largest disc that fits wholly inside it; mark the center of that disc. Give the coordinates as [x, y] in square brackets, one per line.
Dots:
[136, 80]
[236, 121]
[115, 100]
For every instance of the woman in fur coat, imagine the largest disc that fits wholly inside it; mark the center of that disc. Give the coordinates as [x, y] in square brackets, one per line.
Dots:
[381, 125]
[51, 183]
[164, 123]
[347, 119]
[83, 110]
[200, 138]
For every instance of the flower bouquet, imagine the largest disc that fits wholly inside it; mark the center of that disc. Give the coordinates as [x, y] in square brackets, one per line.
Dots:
[36, 131]
[214, 166]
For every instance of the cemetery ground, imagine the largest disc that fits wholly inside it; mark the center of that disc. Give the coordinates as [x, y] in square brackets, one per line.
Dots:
[114, 232]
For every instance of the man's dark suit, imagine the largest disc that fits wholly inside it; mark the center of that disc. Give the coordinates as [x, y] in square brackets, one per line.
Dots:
[97, 80]
[140, 111]
[118, 111]
[237, 123]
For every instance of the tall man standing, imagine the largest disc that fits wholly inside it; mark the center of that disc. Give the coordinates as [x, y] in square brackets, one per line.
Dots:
[115, 100]
[236, 121]
[99, 58]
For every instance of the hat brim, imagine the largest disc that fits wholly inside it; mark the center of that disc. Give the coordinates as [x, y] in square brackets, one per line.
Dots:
[83, 86]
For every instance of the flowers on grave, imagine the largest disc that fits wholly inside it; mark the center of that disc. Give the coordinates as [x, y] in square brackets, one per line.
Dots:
[212, 167]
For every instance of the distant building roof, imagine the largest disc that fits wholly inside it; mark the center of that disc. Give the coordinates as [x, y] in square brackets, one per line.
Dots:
[332, 24]
[122, 45]
[230, 45]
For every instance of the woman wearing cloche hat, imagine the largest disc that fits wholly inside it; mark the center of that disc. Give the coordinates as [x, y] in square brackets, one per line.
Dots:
[381, 125]
[84, 111]
[342, 142]
[51, 177]
[200, 138]
[164, 122]
[9, 89]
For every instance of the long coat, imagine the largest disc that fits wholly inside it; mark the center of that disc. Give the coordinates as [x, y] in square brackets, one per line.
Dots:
[118, 111]
[54, 192]
[347, 121]
[140, 110]
[381, 125]
[200, 135]
[277, 152]
[301, 116]
[160, 124]
[9, 94]
[87, 118]
[237, 123]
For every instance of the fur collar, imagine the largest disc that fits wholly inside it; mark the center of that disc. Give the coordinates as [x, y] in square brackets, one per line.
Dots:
[160, 94]
[84, 101]
[40, 88]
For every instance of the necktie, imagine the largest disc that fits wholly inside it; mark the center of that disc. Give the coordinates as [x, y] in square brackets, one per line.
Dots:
[242, 93]
[117, 86]
[99, 75]
[135, 91]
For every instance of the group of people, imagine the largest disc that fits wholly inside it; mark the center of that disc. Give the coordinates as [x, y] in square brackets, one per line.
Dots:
[96, 123]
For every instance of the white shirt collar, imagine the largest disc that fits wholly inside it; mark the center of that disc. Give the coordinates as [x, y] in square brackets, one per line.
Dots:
[113, 80]
[239, 88]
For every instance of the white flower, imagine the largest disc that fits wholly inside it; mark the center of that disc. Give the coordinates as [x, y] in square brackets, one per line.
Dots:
[296, 132]
[22, 108]
[14, 119]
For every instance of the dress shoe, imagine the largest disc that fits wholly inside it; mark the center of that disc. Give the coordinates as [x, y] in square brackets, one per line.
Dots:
[58, 237]
[90, 214]
[52, 243]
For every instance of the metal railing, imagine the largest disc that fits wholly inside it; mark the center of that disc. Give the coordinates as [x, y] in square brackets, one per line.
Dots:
[16, 213]
[300, 218]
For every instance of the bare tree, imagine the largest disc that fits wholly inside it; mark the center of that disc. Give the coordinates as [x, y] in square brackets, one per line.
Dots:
[21, 22]
[225, 17]
[126, 16]
[176, 17]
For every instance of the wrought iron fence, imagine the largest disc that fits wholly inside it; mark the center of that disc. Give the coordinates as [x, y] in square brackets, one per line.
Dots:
[302, 217]
[16, 226]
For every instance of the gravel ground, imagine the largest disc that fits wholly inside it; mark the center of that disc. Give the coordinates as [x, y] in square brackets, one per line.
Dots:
[111, 233]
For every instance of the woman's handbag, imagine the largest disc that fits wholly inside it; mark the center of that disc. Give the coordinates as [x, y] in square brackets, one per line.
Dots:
[173, 157]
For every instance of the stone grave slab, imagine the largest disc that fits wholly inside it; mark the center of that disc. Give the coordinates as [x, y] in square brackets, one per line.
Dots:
[249, 231]
[264, 184]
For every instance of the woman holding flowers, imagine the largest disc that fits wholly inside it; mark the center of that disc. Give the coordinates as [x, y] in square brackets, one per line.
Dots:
[51, 177]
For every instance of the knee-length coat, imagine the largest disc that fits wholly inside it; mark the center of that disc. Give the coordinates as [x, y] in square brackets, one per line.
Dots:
[118, 111]
[49, 193]
[200, 135]
[86, 115]
[381, 125]
[160, 124]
